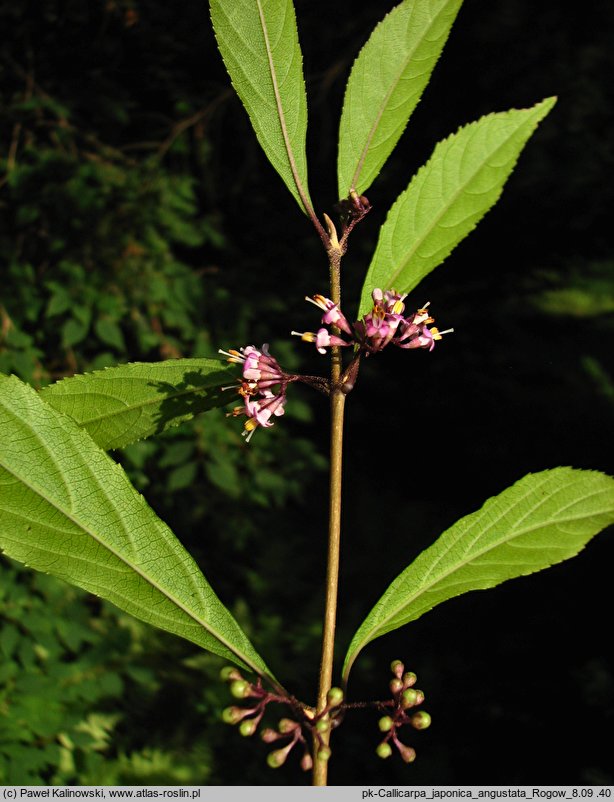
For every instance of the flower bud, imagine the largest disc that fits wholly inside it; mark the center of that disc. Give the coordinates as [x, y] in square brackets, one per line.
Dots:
[385, 724]
[286, 726]
[420, 720]
[397, 668]
[324, 753]
[239, 688]
[269, 736]
[409, 698]
[249, 727]
[395, 685]
[334, 697]
[277, 758]
[384, 750]
[323, 725]
[407, 753]
[409, 679]
[232, 715]
[229, 672]
[306, 762]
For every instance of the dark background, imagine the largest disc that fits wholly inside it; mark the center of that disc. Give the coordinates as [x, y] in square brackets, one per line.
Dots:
[141, 221]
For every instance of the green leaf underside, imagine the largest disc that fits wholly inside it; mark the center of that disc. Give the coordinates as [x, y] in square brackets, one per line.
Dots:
[67, 509]
[385, 85]
[258, 40]
[119, 405]
[539, 521]
[448, 196]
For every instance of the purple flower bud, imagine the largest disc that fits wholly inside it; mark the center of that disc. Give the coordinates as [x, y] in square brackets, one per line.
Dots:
[397, 668]
[407, 753]
[269, 736]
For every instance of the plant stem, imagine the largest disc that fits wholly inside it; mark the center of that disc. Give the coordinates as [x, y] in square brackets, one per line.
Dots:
[337, 406]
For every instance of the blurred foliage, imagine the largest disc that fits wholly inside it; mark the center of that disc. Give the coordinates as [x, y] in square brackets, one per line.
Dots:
[110, 251]
[139, 221]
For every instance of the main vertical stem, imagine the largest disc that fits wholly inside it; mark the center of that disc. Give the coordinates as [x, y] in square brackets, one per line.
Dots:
[337, 406]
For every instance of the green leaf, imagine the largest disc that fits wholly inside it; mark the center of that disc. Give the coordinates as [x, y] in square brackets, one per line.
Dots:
[447, 197]
[110, 333]
[67, 509]
[385, 85]
[120, 405]
[541, 520]
[259, 43]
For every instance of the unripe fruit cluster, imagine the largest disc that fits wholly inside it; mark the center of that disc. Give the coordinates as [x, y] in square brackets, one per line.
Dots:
[404, 698]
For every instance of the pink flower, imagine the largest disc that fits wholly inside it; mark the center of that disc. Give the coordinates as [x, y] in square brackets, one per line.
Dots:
[322, 338]
[261, 372]
[384, 324]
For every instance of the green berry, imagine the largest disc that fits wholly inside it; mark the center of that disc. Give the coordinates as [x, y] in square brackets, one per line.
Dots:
[231, 715]
[334, 697]
[385, 724]
[239, 688]
[324, 754]
[228, 673]
[409, 698]
[247, 728]
[395, 685]
[323, 725]
[384, 750]
[421, 720]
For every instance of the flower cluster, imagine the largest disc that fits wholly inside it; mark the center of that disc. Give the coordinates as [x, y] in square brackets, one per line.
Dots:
[263, 387]
[384, 324]
[404, 698]
[263, 383]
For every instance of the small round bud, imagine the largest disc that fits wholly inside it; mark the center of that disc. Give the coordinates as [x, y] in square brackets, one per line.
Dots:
[286, 726]
[306, 762]
[409, 679]
[324, 754]
[409, 698]
[420, 698]
[421, 720]
[249, 727]
[229, 673]
[277, 758]
[395, 685]
[239, 688]
[323, 725]
[269, 736]
[384, 750]
[397, 668]
[232, 715]
[407, 753]
[334, 697]
[385, 724]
